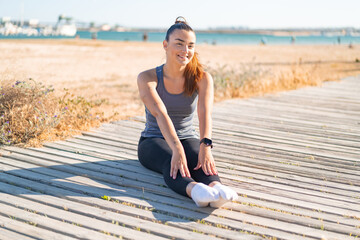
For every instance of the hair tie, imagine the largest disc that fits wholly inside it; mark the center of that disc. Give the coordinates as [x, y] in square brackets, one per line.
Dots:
[180, 19]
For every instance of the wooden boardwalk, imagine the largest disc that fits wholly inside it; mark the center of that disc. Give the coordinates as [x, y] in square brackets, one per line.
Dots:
[293, 158]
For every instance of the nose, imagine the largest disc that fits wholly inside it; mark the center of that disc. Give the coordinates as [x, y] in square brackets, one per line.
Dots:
[185, 49]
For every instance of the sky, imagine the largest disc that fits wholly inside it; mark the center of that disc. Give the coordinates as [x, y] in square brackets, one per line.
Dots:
[200, 14]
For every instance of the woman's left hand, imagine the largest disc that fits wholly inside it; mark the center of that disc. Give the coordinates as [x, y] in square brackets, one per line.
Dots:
[206, 161]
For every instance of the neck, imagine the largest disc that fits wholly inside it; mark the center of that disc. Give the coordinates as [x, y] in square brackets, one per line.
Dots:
[173, 71]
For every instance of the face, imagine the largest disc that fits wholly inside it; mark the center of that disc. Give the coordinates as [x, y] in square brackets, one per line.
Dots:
[181, 46]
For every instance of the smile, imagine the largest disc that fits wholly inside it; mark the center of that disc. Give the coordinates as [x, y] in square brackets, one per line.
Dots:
[183, 57]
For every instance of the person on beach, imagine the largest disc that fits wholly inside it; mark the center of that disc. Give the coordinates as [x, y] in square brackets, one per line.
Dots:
[169, 143]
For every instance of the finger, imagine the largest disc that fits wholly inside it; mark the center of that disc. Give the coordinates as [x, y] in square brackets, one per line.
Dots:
[186, 171]
[215, 170]
[212, 169]
[175, 172]
[204, 167]
[197, 166]
[182, 171]
[171, 169]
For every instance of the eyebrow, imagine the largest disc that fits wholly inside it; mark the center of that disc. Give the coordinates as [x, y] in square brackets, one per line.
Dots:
[183, 40]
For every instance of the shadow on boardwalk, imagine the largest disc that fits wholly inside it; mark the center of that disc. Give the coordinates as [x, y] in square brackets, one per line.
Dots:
[107, 180]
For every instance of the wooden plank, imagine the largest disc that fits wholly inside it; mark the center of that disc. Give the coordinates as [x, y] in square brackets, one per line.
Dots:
[250, 112]
[249, 204]
[114, 163]
[301, 108]
[294, 146]
[10, 228]
[293, 167]
[295, 188]
[309, 151]
[307, 204]
[306, 162]
[349, 126]
[324, 102]
[67, 229]
[290, 179]
[8, 234]
[85, 146]
[325, 129]
[277, 157]
[300, 137]
[115, 168]
[80, 176]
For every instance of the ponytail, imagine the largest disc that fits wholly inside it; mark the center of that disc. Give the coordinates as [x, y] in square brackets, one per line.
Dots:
[193, 74]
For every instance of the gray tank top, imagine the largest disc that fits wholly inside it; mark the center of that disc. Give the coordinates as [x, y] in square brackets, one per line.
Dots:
[180, 107]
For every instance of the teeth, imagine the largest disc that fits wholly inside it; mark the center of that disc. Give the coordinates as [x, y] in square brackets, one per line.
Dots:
[183, 58]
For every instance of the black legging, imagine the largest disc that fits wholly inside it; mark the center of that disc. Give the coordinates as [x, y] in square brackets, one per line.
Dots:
[155, 154]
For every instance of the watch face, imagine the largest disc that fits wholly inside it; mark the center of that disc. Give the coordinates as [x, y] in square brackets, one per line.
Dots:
[207, 141]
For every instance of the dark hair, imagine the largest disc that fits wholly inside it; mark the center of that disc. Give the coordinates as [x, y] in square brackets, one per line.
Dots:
[180, 23]
[193, 70]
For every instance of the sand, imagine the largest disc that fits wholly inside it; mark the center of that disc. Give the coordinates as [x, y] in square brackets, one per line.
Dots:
[108, 70]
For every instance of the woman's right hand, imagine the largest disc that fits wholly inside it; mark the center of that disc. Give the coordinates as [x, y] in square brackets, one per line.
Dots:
[179, 162]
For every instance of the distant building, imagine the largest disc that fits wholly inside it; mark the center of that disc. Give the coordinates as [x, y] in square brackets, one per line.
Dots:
[5, 19]
[105, 27]
[119, 28]
[33, 22]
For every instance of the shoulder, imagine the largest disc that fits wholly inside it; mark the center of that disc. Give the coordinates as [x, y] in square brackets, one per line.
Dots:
[146, 77]
[207, 76]
[206, 79]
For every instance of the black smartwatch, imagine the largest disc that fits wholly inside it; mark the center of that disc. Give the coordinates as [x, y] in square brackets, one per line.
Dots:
[207, 142]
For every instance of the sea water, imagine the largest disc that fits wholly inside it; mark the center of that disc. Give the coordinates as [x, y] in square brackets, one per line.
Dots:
[209, 38]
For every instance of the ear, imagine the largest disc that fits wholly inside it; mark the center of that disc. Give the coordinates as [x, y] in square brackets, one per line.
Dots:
[165, 44]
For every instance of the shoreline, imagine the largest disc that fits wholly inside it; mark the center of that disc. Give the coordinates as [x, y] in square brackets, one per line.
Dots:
[104, 41]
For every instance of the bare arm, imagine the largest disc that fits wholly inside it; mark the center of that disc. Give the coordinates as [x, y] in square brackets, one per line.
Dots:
[205, 105]
[148, 94]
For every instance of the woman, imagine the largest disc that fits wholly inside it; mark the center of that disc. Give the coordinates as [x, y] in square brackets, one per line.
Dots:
[169, 144]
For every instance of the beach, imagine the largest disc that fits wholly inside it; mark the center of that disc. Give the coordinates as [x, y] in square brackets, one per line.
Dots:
[107, 70]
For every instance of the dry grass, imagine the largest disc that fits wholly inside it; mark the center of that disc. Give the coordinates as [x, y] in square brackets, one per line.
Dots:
[30, 113]
[254, 80]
